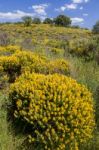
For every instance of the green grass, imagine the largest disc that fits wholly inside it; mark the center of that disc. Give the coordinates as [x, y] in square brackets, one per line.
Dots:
[8, 139]
[5, 136]
[86, 73]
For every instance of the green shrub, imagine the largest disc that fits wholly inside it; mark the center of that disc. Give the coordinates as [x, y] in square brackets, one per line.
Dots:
[56, 51]
[82, 47]
[58, 110]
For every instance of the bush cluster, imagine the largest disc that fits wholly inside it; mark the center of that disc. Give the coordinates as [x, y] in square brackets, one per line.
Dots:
[19, 61]
[60, 66]
[82, 47]
[22, 61]
[51, 39]
[9, 50]
[58, 109]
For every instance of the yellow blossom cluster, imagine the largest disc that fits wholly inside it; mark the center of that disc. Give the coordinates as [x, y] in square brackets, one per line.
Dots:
[21, 61]
[9, 50]
[60, 66]
[59, 110]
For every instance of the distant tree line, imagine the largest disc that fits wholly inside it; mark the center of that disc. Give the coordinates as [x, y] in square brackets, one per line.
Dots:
[60, 20]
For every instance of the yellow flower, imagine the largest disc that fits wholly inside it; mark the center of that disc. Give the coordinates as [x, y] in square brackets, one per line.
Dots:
[61, 120]
[19, 103]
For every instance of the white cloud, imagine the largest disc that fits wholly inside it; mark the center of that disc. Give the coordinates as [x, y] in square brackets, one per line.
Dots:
[86, 1]
[18, 14]
[85, 14]
[77, 1]
[40, 9]
[80, 1]
[14, 15]
[62, 8]
[71, 6]
[77, 20]
[81, 8]
[67, 7]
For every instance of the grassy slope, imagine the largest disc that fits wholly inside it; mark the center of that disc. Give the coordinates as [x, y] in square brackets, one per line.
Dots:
[34, 38]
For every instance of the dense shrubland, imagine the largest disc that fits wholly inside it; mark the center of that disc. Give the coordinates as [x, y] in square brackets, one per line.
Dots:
[19, 61]
[50, 109]
[59, 110]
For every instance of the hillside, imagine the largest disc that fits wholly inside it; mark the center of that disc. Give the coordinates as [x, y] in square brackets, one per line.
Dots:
[55, 53]
[41, 35]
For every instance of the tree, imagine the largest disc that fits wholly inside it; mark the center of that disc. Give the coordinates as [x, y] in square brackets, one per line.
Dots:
[36, 21]
[62, 20]
[96, 28]
[48, 21]
[27, 20]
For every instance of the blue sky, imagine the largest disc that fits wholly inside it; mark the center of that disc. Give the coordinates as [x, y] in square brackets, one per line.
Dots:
[82, 12]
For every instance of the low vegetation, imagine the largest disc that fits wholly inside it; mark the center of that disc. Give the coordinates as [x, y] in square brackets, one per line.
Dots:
[49, 86]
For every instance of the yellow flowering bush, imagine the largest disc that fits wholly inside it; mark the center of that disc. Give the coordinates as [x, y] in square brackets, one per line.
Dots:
[31, 61]
[58, 110]
[8, 50]
[20, 62]
[60, 66]
[11, 66]
[55, 43]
